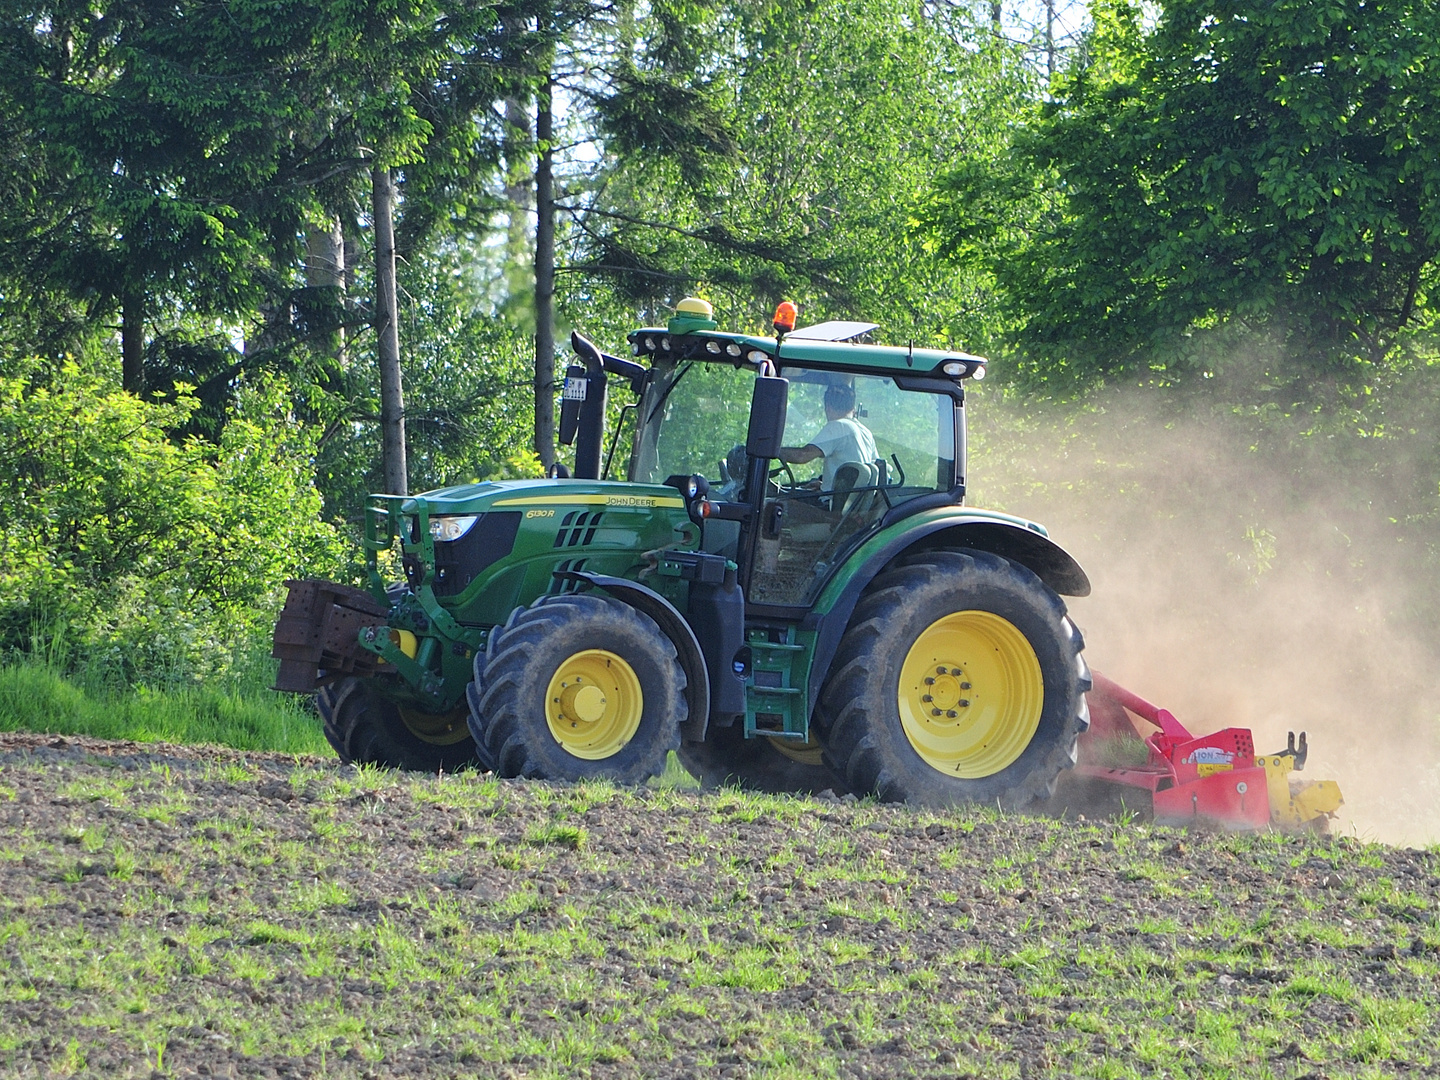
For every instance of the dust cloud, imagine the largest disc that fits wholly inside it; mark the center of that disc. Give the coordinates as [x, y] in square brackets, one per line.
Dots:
[1243, 584]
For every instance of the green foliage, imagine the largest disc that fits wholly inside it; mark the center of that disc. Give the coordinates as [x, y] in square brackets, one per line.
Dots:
[467, 391]
[1269, 166]
[167, 159]
[34, 697]
[164, 555]
[1241, 193]
[152, 133]
[839, 121]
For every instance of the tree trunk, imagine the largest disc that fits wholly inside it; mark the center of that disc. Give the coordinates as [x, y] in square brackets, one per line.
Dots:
[387, 333]
[325, 270]
[348, 229]
[545, 278]
[518, 175]
[132, 341]
[995, 14]
[1050, 41]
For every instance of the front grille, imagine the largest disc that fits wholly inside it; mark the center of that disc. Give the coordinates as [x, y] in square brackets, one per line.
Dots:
[459, 562]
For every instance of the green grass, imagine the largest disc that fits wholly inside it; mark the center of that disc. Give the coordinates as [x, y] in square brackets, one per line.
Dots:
[590, 929]
[34, 697]
[565, 928]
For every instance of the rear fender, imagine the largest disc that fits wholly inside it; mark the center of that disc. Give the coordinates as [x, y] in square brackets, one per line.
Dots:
[1012, 539]
[673, 625]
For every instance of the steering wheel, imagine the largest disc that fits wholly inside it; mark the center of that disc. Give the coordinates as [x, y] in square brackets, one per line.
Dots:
[785, 468]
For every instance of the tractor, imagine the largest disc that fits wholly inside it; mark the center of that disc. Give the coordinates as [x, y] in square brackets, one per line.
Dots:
[779, 579]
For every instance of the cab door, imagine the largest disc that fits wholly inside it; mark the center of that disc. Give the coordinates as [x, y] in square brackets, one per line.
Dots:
[896, 445]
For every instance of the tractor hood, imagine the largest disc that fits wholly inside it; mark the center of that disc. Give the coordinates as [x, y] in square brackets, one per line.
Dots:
[479, 550]
[491, 495]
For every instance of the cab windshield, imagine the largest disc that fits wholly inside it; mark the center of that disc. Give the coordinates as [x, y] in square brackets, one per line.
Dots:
[695, 415]
[692, 417]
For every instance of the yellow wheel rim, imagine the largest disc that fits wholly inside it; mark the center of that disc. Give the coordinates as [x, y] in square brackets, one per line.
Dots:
[593, 704]
[443, 730]
[971, 693]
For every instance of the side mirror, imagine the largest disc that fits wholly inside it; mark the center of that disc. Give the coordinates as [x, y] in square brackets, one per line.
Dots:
[767, 417]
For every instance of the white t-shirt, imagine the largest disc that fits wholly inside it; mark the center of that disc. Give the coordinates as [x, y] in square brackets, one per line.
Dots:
[843, 441]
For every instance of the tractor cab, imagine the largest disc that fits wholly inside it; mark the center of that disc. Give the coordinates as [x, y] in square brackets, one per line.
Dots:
[852, 448]
[854, 436]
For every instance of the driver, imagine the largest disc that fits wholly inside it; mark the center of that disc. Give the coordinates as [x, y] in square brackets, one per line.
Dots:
[843, 439]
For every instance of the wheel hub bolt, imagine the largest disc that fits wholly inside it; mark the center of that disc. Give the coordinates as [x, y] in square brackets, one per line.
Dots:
[951, 713]
[934, 712]
[964, 686]
[929, 681]
[964, 703]
[940, 671]
[927, 697]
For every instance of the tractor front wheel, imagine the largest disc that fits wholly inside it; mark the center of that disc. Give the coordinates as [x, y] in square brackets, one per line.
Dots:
[367, 728]
[959, 679]
[580, 686]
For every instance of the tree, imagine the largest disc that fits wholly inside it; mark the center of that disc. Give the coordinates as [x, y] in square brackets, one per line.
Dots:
[1271, 166]
[161, 172]
[582, 62]
[416, 95]
[799, 173]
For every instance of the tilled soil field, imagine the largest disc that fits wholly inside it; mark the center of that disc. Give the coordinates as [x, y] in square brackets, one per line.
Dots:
[172, 911]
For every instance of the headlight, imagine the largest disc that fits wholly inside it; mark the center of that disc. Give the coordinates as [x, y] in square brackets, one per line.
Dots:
[451, 528]
[757, 357]
[960, 369]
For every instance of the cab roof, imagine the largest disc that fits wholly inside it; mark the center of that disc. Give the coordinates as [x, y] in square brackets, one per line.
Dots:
[653, 343]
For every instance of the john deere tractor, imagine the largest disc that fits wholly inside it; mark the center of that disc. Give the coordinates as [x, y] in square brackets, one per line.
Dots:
[780, 580]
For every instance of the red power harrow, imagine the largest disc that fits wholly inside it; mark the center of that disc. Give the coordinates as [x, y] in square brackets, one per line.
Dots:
[1216, 778]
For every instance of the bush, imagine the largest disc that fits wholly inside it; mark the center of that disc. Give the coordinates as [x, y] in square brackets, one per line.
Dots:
[127, 552]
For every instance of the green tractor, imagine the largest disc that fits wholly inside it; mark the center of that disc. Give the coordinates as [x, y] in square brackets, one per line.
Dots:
[785, 587]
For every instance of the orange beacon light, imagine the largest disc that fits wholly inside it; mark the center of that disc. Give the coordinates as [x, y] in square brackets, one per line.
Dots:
[785, 317]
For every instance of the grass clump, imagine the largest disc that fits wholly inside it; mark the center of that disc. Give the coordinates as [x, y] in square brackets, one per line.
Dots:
[35, 697]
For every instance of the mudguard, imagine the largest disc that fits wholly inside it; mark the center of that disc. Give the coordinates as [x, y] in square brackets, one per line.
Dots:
[1012, 538]
[673, 625]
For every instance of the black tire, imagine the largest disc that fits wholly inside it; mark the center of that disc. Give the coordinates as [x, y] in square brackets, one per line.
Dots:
[367, 728]
[727, 758]
[473, 691]
[483, 757]
[866, 741]
[509, 707]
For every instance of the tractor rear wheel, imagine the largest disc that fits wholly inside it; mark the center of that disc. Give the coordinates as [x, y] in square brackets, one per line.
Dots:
[367, 728]
[959, 679]
[761, 764]
[580, 686]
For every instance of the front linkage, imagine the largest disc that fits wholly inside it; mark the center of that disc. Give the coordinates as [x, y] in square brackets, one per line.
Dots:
[328, 632]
